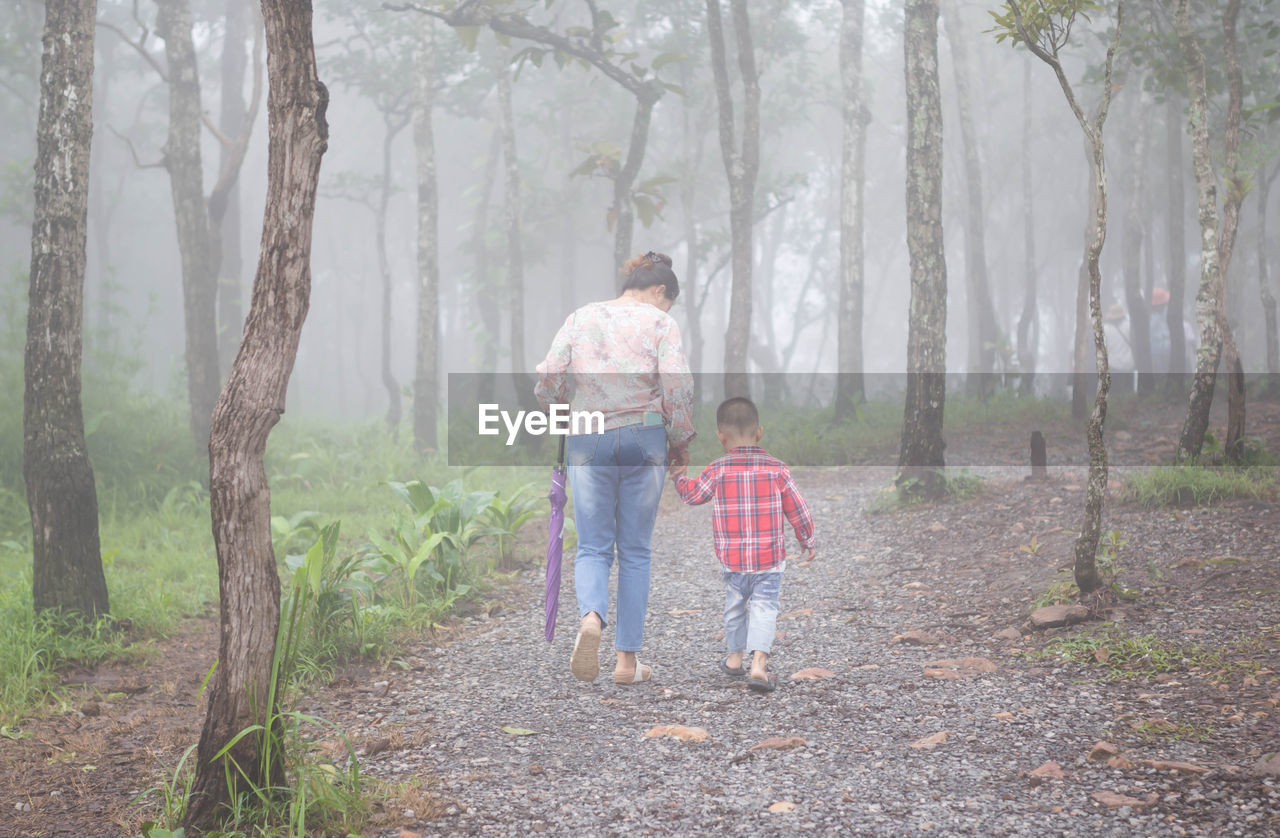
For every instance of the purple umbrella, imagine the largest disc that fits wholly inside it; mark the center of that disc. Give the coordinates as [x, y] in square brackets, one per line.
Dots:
[555, 542]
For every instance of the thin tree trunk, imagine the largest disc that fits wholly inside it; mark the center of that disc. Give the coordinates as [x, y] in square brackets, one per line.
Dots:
[741, 166]
[850, 385]
[1236, 188]
[1176, 270]
[232, 112]
[250, 405]
[511, 200]
[485, 293]
[426, 380]
[1085, 567]
[186, 180]
[394, 123]
[1138, 304]
[623, 212]
[66, 556]
[1196, 423]
[983, 332]
[1080, 365]
[694, 133]
[921, 460]
[1264, 280]
[1029, 320]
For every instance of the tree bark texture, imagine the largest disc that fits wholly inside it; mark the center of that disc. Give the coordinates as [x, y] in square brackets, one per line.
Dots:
[623, 211]
[231, 118]
[1029, 319]
[850, 386]
[921, 458]
[485, 292]
[983, 331]
[67, 558]
[186, 181]
[511, 202]
[1177, 236]
[250, 405]
[1136, 302]
[1196, 423]
[426, 382]
[741, 165]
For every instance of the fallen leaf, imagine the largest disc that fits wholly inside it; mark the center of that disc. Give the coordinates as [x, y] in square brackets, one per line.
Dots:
[519, 731]
[681, 732]
[1114, 800]
[1176, 767]
[812, 673]
[1102, 654]
[1050, 770]
[799, 612]
[782, 807]
[779, 743]
[1004, 717]
[933, 740]
[680, 612]
[1102, 751]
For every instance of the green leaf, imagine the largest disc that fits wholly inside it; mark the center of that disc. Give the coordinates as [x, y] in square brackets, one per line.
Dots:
[668, 58]
[519, 731]
[468, 35]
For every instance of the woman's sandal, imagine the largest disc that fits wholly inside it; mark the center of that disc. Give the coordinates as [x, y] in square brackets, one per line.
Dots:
[584, 663]
[736, 671]
[762, 685]
[640, 674]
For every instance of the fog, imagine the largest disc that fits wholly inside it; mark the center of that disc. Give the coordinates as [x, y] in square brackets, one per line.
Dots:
[134, 298]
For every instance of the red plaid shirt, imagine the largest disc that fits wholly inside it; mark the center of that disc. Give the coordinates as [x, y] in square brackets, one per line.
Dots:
[753, 491]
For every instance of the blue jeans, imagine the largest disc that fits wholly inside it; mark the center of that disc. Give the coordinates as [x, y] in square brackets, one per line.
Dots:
[616, 478]
[750, 610]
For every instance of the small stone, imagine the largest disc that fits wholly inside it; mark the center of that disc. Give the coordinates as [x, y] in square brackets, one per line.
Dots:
[1011, 634]
[915, 638]
[1049, 771]
[1268, 765]
[1052, 616]
[1102, 751]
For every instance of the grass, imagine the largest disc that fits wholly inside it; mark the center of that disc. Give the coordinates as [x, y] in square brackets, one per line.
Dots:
[1122, 655]
[1185, 485]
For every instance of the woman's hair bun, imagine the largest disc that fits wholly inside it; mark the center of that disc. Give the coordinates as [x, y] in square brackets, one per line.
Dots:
[650, 269]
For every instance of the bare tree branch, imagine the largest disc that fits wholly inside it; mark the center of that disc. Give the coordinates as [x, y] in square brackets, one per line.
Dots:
[133, 151]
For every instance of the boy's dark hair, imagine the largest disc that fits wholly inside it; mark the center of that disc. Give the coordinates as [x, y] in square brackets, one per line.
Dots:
[737, 414]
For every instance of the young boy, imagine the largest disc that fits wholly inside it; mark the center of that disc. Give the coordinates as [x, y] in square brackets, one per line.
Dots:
[753, 491]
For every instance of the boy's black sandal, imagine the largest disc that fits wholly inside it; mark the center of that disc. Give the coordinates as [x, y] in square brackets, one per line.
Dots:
[736, 672]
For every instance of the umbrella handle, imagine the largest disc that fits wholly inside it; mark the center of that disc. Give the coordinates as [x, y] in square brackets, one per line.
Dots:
[560, 454]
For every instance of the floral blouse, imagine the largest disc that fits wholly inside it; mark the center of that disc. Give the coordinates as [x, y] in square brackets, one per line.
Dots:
[622, 359]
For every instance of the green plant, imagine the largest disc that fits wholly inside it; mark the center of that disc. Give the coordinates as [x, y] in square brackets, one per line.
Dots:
[1184, 485]
[507, 516]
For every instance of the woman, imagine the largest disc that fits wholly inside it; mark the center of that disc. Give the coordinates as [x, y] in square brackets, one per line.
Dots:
[622, 358]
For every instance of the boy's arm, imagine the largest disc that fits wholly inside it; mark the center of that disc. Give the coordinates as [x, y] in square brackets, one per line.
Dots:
[796, 510]
[695, 492]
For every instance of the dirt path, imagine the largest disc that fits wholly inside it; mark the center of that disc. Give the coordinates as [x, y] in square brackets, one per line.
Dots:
[887, 746]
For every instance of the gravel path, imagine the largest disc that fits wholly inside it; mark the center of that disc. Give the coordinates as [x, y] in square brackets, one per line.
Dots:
[589, 768]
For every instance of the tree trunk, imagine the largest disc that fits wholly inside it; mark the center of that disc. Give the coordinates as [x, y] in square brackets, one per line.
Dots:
[1029, 320]
[426, 380]
[231, 120]
[1196, 423]
[511, 200]
[67, 559]
[623, 212]
[1176, 270]
[393, 123]
[850, 385]
[485, 292]
[741, 166]
[1236, 188]
[694, 133]
[1080, 364]
[983, 331]
[921, 460]
[1264, 279]
[186, 180]
[249, 407]
[1137, 303]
